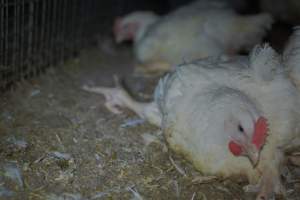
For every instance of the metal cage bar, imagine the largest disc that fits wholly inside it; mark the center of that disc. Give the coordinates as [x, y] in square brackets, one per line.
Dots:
[35, 34]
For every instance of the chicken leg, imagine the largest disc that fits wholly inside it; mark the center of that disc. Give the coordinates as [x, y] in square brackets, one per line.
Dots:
[270, 185]
[270, 180]
[153, 68]
[117, 97]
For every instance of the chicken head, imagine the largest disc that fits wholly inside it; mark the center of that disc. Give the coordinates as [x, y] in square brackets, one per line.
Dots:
[124, 31]
[248, 141]
[128, 28]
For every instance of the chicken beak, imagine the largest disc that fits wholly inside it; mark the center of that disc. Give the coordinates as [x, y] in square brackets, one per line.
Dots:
[253, 154]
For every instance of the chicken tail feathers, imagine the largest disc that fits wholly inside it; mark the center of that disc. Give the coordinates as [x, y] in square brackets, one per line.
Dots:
[265, 63]
[160, 91]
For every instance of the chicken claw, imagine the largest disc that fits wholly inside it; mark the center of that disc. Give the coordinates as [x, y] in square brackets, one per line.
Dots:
[251, 188]
[269, 185]
[115, 97]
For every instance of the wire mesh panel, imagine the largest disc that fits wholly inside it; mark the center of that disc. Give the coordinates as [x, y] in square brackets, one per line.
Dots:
[35, 34]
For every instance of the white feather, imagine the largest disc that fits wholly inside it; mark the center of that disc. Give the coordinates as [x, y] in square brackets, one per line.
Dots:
[197, 30]
[198, 97]
[265, 62]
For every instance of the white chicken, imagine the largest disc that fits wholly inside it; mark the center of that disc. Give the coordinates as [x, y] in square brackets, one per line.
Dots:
[194, 31]
[219, 113]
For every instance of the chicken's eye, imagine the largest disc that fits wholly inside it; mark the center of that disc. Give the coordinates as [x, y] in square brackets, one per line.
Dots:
[240, 128]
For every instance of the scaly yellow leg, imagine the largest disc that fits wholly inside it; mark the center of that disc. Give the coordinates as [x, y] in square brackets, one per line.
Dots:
[153, 68]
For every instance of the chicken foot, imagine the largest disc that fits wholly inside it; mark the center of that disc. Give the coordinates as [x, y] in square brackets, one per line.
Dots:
[269, 185]
[270, 182]
[117, 97]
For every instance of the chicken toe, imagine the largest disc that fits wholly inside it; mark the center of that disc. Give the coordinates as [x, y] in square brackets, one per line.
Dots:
[112, 108]
[270, 185]
[118, 98]
[251, 188]
[115, 97]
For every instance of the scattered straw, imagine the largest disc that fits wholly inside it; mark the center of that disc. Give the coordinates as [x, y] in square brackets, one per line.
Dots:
[177, 167]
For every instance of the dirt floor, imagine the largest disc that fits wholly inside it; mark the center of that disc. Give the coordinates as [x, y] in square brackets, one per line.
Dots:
[60, 142]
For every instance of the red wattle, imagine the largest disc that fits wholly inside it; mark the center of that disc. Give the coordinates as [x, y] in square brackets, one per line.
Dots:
[260, 132]
[235, 148]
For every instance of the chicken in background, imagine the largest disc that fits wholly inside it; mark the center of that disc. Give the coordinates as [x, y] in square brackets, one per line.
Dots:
[221, 114]
[197, 30]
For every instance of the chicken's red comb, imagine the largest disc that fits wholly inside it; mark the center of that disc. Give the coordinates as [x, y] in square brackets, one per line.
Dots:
[260, 132]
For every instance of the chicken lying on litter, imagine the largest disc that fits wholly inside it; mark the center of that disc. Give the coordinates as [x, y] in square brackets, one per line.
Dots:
[197, 30]
[222, 114]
